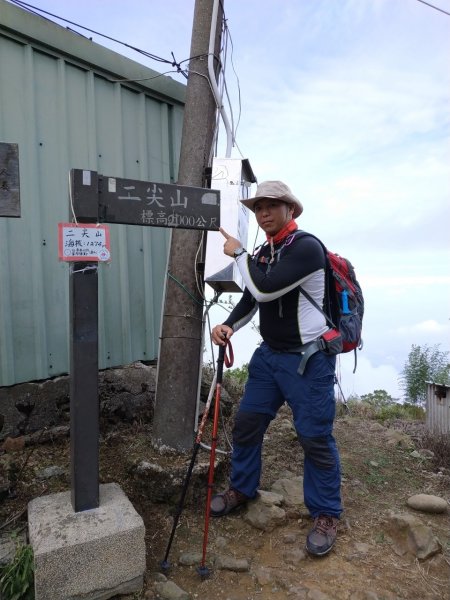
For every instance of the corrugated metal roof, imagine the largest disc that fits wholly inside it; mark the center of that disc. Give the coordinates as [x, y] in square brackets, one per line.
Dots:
[60, 103]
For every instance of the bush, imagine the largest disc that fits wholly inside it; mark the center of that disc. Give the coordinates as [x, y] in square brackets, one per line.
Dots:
[234, 381]
[367, 410]
[407, 412]
[439, 444]
[355, 408]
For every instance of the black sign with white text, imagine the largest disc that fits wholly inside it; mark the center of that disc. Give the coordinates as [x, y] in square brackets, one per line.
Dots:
[134, 202]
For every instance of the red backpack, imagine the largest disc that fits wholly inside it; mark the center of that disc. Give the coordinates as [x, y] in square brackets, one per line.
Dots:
[344, 303]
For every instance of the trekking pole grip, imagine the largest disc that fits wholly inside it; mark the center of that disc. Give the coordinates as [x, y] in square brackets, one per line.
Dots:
[223, 357]
[220, 361]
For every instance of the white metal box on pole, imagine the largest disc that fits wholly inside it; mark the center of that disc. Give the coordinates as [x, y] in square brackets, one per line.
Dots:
[233, 178]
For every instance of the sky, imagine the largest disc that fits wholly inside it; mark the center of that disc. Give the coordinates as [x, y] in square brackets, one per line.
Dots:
[348, 102]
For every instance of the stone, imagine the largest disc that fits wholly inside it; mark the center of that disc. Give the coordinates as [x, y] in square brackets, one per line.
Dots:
[125, 394]
[50, 472]
[263, 516]
[294, 556]
[269, 498]
[169, 590]
[397, 438]
[8, 546]
[362, 547]
[289, 538]
[13, 444]
[422, 454]
[411, 537]
[102, 549]
[165, 484]
[291, 490]
[298, 592]
[427, 503]
[230, 563]
[263, 575]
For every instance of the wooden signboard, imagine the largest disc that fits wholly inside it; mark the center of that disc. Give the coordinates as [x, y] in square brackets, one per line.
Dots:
[103, 199]
[9, 180]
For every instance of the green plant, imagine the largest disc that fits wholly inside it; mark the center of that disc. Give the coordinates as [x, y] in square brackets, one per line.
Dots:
[17, 577]
[378, 399]
[408, 412]
[424, 364]
[234, 380]
[238, 374]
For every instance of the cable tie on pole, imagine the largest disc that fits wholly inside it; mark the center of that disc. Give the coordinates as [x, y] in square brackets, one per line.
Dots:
[175, 63]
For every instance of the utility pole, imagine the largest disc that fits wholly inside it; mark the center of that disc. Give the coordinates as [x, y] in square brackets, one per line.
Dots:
[181, 335]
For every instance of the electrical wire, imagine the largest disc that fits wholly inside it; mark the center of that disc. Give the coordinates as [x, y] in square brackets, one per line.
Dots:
[174, 63]
[435, 7]
[27, 6]
[140, 79]
[228, 34]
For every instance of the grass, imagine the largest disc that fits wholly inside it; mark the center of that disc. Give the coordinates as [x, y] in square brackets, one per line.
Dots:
[17, 577]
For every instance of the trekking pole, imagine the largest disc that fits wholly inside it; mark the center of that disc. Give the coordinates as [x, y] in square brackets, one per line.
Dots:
[203, 570]
[165, 564]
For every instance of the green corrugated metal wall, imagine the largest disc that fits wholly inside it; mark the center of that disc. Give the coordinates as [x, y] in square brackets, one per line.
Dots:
[59, 102]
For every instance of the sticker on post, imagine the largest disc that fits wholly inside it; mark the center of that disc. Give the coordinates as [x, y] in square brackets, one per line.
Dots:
[83, 242]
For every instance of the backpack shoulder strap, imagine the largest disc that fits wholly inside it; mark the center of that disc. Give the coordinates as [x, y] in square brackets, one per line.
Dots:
[328, 279]
[314, 303]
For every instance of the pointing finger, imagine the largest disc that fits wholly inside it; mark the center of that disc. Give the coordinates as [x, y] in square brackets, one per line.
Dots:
[224, 233]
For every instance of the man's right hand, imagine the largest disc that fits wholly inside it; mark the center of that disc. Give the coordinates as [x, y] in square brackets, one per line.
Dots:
[219, 333]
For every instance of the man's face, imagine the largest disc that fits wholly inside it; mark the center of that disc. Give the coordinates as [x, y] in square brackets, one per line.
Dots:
[272, 215]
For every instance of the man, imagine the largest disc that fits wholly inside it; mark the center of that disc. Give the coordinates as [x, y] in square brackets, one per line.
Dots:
[289, 326]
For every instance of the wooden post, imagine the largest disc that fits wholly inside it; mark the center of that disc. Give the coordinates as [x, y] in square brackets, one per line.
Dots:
[84, 403]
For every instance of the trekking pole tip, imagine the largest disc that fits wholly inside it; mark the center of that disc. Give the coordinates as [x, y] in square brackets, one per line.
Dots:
[203, 571]
[165, 566]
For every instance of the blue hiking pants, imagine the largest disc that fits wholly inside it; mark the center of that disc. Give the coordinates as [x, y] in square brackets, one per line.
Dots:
[273, 379]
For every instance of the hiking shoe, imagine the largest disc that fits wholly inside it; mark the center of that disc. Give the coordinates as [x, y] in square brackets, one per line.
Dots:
[322, 536]
[222, 504]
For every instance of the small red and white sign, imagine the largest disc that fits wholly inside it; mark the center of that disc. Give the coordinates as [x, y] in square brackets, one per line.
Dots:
[83, 242]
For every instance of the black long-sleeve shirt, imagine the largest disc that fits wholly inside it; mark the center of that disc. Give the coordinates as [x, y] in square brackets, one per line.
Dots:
[287, 318]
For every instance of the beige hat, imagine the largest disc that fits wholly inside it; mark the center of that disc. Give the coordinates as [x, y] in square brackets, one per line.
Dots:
[278, 190]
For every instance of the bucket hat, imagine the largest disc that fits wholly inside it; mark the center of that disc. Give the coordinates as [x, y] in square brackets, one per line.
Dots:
[278, 190]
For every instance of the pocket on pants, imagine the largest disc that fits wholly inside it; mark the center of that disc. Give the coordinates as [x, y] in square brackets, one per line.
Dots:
[321, 391]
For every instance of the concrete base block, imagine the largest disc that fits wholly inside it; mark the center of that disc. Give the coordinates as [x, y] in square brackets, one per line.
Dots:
[89, 555]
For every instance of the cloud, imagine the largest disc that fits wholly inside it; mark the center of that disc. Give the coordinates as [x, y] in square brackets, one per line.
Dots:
[367, 377]
[425, 327]
[402, 281]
